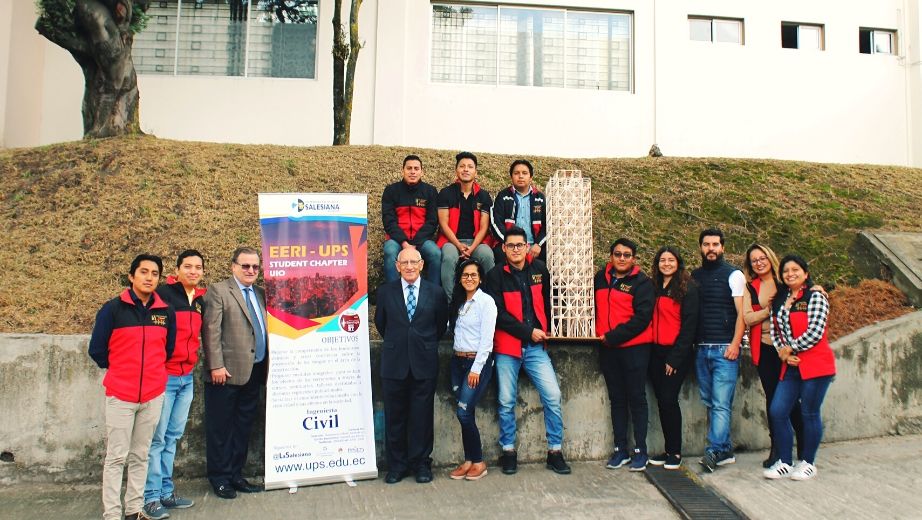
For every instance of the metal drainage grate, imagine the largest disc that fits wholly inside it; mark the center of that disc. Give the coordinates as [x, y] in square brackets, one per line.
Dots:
[690, 498]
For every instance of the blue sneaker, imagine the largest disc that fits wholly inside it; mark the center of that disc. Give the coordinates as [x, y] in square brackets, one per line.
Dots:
[639, 460]
[175, 501]
[618, 458]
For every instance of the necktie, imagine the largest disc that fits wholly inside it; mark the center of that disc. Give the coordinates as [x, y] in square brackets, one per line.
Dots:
[411, 301]
[257, 327]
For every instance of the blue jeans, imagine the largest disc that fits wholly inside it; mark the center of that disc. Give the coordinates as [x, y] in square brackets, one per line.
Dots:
[176, 401]
[467, 401]
[450, 257]
[538, 366]
[717, 385]
[811, 393]
[432, 258]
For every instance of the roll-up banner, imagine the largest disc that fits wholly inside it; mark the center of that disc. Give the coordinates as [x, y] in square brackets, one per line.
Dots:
[319, 417]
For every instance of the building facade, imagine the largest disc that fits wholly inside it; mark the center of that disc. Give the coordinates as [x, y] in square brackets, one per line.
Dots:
[828, 80]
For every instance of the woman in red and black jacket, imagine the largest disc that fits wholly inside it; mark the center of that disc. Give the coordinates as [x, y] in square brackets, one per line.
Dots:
[672, 331]
[799, 317]
[761, 270]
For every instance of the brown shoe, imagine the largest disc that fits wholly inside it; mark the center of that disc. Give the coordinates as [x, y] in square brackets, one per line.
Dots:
[478, 471]
[461, 471]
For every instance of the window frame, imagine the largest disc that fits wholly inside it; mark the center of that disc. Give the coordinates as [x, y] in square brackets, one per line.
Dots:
[821, 29]
[873, 32]
[499, 7]
[741, 22]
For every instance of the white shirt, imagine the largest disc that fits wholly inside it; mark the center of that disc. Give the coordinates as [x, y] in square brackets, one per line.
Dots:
[475, 327]
[405, 284]
[254, 300]
[737, 284]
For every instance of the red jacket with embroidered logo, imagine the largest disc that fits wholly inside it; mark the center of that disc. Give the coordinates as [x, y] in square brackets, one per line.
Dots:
[674, 324]
[623, 307]
[818, 360]
[511, 331]
[133, 342]
[408, 213]
[755, 331]
[450, 199]
[505, 209]
[188, 326]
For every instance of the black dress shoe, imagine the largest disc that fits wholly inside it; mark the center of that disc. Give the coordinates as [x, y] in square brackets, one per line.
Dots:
[243, 486]
[394, 477]
[424, 474]
[509, 462]
[225, 491]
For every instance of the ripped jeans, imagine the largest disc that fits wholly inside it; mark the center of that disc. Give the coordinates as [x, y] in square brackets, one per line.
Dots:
[467, 402]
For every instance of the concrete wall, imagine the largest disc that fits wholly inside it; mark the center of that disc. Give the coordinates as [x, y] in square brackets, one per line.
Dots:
[53, 425]
[692, 98]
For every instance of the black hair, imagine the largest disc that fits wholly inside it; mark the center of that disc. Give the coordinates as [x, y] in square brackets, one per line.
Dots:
[145, 257]
[243, 250]
[516, 231]
[186, 254]
[630, 244]
[459, 296]
[465, 155]
[678, 285]
[526, 163]
[412, 157]
[711, 232]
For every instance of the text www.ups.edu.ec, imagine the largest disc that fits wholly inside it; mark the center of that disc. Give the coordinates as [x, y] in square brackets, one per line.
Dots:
[338, 462]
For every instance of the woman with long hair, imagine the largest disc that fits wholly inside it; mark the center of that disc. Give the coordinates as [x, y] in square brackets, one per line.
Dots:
[472, 317]
[799, 317]
[673, 327]
[761, 268]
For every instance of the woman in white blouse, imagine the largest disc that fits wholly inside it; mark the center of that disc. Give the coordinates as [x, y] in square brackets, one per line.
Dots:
[472, 315]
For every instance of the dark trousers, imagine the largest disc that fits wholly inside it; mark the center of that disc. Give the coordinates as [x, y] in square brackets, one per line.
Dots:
[625, 372]
[769, 373]
[229, 414]
[810, 393]
[666, 388]
[467, 403]
[408, 418]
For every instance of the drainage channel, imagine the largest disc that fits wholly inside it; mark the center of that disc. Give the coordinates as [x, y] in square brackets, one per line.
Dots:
[690, 498]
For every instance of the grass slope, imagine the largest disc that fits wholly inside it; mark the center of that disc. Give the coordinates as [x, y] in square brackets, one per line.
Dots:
[75, 214]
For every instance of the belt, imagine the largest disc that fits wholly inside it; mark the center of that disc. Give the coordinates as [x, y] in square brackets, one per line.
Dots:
[465, 355]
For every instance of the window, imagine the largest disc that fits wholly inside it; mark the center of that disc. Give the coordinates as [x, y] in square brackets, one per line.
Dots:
[802, 36]
[499, 45]
[272, 38]
[719, 30]
[876, 41]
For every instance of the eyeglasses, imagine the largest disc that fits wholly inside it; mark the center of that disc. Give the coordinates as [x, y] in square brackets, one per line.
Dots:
[619, 254]
[247, 267]
[408, 263]
[759, 260]
[469, 276]
[517, 246]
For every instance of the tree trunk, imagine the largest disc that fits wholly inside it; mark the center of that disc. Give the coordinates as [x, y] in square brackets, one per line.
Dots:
[101, 45]
[345, 57]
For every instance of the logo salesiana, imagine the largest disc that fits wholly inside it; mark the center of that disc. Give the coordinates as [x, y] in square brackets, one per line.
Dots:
[349, 321]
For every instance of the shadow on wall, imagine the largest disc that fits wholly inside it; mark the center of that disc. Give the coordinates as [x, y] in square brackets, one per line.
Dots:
[53, 424]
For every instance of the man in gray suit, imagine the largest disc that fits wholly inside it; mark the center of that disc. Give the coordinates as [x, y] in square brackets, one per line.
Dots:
[234, 340]
[411, 314]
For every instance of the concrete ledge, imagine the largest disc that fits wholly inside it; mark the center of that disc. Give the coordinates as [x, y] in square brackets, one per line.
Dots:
[53, 424]
[900, 254]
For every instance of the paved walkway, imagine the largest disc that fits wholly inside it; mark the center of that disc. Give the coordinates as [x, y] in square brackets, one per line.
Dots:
[876, 478]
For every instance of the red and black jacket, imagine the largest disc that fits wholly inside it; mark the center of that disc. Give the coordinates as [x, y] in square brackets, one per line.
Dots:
[505, 209]
[623, 307]
[674, 324]
[512, 333]
[450, 199]
[755, 331]
[188, 326]
[133, 342]
[409, 212]
[818, 360]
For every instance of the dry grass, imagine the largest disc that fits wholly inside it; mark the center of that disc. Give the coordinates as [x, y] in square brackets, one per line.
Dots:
[74, 214]
[851, 308]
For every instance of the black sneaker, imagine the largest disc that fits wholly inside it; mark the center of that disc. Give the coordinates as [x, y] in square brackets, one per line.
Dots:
[556, 463]
[659, 460]
[725, 457]
[509, 462]
[709, 461]
[673, 462]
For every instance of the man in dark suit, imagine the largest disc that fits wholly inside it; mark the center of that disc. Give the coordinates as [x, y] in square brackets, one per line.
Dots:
[411, 315]
[234, 339]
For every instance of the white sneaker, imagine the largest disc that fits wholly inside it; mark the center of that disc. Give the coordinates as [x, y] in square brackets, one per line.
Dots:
[803, 471]
[777, 470]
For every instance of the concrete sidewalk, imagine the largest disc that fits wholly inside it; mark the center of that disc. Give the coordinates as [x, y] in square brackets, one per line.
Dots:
[876, 478]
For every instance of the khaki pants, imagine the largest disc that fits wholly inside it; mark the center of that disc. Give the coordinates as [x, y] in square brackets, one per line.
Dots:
[129, 430]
